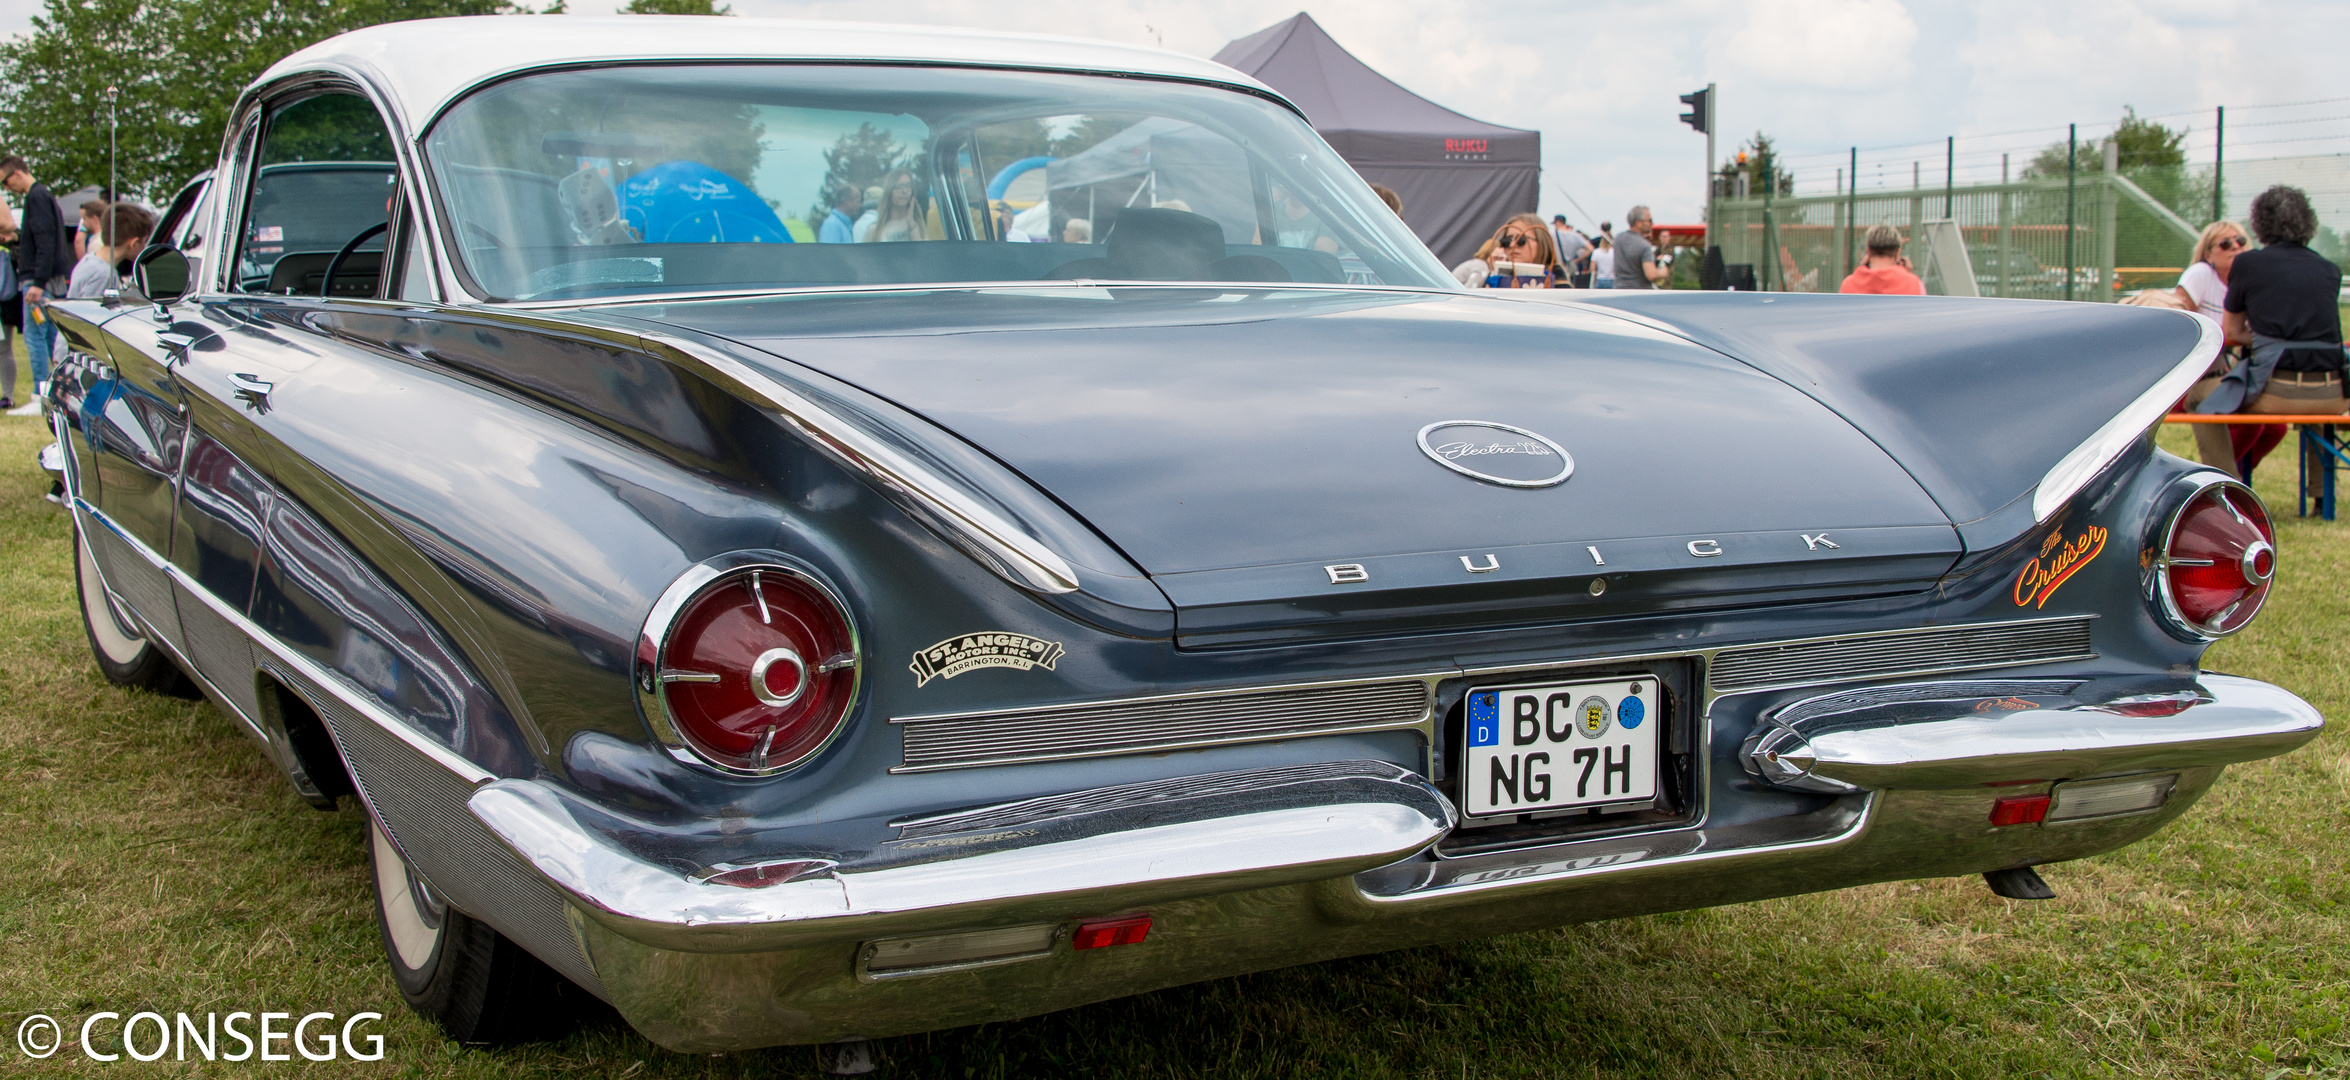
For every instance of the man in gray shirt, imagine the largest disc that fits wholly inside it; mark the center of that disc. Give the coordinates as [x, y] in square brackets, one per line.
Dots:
[1636, 266]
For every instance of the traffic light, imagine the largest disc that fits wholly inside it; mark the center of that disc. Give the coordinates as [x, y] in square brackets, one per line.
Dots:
[1697, 115]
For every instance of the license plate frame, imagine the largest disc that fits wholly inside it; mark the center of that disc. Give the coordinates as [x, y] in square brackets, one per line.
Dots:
[1537, 749]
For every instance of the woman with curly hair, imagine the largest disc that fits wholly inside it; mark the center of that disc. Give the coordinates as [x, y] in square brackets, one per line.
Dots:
[2283, 303]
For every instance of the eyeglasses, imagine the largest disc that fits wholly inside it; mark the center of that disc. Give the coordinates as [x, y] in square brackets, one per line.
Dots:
[2230, 244]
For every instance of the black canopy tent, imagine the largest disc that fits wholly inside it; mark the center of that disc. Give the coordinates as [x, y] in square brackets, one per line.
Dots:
[1458, 177]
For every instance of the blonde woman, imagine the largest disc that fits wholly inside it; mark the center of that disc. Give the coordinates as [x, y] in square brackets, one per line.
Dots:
[1523, 240]
[2204, 287]
[900, 214]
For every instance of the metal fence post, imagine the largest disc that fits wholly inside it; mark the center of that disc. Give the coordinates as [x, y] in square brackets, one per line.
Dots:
[2219, 163]
[2108, 219]
[1949, 177]
[1851, 211]
[2072, 169]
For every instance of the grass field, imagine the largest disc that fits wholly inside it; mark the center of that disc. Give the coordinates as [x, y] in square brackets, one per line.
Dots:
[149, 859]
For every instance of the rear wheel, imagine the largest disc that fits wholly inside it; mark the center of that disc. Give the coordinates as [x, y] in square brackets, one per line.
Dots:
[122, 650]
[475, 983]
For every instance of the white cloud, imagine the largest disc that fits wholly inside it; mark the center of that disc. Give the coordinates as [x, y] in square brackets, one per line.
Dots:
[1818, 44]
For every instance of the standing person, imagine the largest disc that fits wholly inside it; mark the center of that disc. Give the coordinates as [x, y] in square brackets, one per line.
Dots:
[839, 226]
[2204, 288]
[1885, 271]
[1636, 265]
[1572, 248]
[1603, 258]
[2282, 301]
[40, 261]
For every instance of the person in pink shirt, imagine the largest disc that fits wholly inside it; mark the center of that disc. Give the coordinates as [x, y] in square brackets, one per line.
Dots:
[1884, 271]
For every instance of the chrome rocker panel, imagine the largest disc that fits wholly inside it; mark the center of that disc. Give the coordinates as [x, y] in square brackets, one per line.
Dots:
[1330, 865]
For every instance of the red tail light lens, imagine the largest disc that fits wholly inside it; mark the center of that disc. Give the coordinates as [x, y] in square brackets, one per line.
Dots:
[754, 672]
[2217, 562]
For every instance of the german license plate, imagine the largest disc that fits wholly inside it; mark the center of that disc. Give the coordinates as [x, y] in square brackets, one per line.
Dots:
[1563, 746]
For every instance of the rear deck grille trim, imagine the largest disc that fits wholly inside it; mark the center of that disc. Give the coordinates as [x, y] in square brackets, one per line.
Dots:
[1152, 725]
[1902, 653]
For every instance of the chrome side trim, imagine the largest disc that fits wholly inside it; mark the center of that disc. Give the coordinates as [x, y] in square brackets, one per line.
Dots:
[303, 665]
[1904, 653]
[1165, 722]
[212, 690]
[2076, 469]
[1000, 542]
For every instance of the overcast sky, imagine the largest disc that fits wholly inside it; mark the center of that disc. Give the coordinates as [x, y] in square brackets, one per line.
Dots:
[1600, 78]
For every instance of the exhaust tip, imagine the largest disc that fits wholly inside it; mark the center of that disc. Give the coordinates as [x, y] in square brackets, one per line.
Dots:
[2019, 883]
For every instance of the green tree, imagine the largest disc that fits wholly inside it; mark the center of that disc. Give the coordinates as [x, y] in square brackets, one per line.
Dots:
[676, 7]
[178, 66]
[860, 158]
[2154, 158]
[1758, 162]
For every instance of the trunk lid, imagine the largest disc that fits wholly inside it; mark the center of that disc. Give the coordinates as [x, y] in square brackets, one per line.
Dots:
[1238, 445]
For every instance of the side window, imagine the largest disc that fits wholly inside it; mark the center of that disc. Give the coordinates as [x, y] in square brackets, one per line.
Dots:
[323, 180]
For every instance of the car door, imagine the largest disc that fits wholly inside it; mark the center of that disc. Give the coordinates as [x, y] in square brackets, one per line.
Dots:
[302, 200]
[133, 427]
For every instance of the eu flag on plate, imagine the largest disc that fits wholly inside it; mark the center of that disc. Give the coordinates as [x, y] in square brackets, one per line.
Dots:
[1485, 719]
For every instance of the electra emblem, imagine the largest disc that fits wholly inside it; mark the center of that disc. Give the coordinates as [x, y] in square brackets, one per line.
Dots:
[1496, 453]
[970, 652]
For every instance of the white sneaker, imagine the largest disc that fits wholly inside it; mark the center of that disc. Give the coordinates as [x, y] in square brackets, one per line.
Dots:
[30, 408]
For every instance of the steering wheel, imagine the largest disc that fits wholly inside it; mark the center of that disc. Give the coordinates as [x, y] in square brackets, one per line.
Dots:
[326, 285]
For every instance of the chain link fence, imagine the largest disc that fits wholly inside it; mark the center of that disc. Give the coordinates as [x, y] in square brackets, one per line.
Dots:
[2099, 238]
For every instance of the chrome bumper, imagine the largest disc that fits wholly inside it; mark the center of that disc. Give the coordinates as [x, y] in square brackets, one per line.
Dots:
[1295, 866]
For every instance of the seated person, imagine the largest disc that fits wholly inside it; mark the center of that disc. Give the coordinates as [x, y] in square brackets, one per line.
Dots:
[123, 232]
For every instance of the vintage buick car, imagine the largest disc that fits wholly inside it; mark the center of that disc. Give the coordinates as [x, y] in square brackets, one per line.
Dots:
[795, 642]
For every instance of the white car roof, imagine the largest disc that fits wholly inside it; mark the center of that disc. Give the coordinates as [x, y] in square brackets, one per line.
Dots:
[427, 63]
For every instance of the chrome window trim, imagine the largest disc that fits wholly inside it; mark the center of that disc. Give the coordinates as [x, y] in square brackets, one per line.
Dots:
[1071, 285]
[2158, 571]
[653, 642]
[2074, 471]
[1007, 548]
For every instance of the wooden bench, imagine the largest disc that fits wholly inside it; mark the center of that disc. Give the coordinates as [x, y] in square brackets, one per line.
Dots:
[2318, 437]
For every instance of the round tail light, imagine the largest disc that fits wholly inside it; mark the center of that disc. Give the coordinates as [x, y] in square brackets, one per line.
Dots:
[751, 669]
[2217, 561]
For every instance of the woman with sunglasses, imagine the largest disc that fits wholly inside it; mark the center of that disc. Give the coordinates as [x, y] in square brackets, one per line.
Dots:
[1522, 242]
[2204, 288]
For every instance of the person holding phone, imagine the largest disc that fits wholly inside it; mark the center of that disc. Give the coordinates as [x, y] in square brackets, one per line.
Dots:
[1521, 255]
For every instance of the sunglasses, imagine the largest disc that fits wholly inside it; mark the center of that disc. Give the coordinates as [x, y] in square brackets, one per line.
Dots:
[2230, 244]
[1515, 239]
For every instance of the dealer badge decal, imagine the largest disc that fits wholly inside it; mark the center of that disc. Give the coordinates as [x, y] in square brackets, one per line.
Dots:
[2059, 560]
[969, 652]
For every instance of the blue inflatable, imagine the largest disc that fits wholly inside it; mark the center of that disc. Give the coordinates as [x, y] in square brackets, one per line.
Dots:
[687, 202]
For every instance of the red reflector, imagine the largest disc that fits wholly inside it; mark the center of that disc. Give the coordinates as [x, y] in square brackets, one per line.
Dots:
[2220, 559]
[1127, 931]
[2019, 810]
